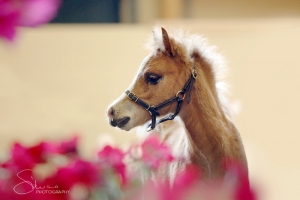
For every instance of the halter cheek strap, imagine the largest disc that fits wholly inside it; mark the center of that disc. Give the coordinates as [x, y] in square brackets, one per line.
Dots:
[179, 97]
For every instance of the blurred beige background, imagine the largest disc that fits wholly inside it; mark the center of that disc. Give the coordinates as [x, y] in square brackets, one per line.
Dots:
[57, 80]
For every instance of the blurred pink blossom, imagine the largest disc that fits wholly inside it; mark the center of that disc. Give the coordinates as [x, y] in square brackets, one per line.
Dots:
[154, 152]
[22, 157]
[68, 147]
[109, 177]
[9, 18]
[25, 157]
[189, 185]
[31, 13]
[114, 158]
[242, 187]
[37, 12]
[77, 171]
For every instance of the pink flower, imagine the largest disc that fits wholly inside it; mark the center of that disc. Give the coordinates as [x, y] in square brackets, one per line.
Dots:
[114, 158]
[190, 175]
[108, 175]
[182, 183]
[78, 171]
[153, 190]
[154, 153]
[15, 13]
[25, 157]
[243, 190]
[8, 20]
[68, 147]
[37, 12]
[161, 189]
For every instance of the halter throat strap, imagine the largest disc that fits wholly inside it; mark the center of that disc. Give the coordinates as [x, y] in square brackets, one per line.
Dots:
[179, 97]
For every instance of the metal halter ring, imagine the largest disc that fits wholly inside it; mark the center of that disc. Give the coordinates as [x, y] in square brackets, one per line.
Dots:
[180, 95]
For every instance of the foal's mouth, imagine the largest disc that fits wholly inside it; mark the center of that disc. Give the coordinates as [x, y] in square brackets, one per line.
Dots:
[119, 122]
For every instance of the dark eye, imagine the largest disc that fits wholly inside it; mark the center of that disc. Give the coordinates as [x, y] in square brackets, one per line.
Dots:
[152, 78]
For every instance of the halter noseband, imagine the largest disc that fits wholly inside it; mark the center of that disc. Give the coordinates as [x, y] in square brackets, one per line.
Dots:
[153, 110]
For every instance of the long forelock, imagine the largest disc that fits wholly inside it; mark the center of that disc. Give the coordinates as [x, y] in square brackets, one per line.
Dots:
[192, 44]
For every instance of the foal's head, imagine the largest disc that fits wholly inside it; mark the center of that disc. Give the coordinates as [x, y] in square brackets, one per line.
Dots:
[161, 76]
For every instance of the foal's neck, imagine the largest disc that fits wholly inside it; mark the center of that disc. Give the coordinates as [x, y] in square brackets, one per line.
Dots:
[209, 131]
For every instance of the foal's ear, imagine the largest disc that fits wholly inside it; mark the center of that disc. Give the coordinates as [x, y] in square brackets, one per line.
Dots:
[167, 43]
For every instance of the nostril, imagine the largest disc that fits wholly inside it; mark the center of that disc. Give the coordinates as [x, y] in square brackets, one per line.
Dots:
[111, 113]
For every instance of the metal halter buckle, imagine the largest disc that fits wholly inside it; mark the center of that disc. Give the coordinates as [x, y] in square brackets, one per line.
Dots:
[149, 108]
[180, 95]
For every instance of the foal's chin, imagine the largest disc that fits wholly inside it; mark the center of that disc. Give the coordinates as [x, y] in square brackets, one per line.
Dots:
[131, 124]
[126, 128]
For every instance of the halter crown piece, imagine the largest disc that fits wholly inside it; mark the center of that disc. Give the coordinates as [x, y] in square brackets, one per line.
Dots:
[179, 97]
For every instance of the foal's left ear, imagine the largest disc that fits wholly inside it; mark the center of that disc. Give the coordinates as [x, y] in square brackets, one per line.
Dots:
[167, 43]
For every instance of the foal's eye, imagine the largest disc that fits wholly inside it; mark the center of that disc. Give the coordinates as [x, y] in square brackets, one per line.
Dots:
[152, 78]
